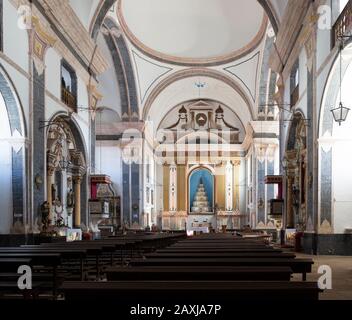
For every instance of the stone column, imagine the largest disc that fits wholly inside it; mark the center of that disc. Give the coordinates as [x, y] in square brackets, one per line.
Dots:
[290, 213]
[77, 180]
[49, 195]
[229, 186]
[49, 183]
[291, 156]
[173, 188]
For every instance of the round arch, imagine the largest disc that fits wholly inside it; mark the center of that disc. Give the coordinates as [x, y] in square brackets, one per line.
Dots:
[297, 120]
[216, 76]
[66, 171]
[194, 177]
[331, 91]
[13, 159]
[334, 150]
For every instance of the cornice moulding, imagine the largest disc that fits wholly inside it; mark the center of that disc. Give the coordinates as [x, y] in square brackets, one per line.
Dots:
[66, 21]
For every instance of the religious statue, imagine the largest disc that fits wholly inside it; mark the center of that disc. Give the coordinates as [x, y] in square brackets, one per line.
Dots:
[70, 199]
[53, 192]
[45, 210]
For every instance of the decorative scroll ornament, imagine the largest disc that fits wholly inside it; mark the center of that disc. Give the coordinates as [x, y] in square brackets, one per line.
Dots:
[95, 97]
[41, 41]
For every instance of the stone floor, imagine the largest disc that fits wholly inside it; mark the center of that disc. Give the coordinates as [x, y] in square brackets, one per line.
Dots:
[341, 267]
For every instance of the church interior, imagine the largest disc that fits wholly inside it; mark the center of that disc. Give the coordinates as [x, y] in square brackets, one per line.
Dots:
[204, 144]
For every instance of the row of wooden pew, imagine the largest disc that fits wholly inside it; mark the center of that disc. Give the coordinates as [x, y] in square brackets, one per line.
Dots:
[205, 269]
[54, 263]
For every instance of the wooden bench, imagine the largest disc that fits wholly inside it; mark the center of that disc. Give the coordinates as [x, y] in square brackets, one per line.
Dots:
[302, 266]
[12, 263]
[215, 250]
[65, 253]
[206, 255]
[39, 259]
[9, 289]
[198, 273]
[202, 291]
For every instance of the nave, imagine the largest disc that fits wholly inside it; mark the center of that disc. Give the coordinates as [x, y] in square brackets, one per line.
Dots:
[168, 149]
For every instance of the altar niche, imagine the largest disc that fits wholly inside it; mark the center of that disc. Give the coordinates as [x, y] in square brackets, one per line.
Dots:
[201, 192]
[66, 172]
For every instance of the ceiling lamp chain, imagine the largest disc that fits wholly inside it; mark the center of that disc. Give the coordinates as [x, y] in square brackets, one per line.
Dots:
[340, 113]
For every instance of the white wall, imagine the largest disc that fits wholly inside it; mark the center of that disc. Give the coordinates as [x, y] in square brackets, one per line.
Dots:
[53, 73]
[341, 161]
[108, 161]
[83, 9]
[323, 43]
[15, 39]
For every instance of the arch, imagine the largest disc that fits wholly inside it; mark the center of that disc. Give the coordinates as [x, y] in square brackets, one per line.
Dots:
[65, 142]
[123, 69]
[12, 102]
[296, 120]
[331, 91]
[196, 72]
[13, 158]
[99, 16]
[334, 151]
[75, 128]
[271, 13]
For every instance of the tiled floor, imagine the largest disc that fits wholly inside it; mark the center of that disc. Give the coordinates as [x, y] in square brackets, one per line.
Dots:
[341, 276]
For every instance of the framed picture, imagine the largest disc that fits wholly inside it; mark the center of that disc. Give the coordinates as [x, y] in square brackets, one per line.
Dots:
[106, 207]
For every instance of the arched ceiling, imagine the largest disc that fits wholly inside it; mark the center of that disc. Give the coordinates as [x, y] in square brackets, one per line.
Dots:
[163, 37]
[197, 32]
[84, 9]
[92, 12]
[182, 90]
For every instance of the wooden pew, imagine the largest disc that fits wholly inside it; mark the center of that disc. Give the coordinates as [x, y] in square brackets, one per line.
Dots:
[201, 291]
[51, 260]
[198, 273]
[206, 255]
[302, 266]
[65, 253]
[215, 250]
[12, 263]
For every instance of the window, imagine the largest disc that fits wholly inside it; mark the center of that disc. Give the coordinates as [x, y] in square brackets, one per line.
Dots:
[294, 88]
[68, 86]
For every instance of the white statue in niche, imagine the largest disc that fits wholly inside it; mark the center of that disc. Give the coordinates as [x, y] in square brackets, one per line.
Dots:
[70, 202]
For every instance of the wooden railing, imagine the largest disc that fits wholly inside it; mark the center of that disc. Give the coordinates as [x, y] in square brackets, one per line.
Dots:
[343, 25]
[69, 99]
